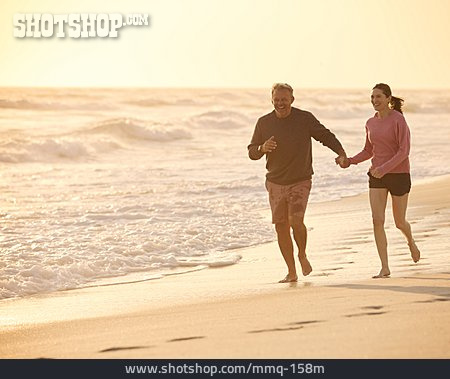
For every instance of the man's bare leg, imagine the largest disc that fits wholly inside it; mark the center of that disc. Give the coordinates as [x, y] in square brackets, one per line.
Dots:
[301, 237]
[287, 250]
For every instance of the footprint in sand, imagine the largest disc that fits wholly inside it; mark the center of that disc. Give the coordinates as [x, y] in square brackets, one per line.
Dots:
[299, 325]
[420, 231]
[119, 348]
[366, 314]
[376, 307]
[333, 269]
[276, 329]
[359, 239]
[342, 251]
[439, 299]
[412, 264]
[305, 322]
[406, 259]
[365, 233]
[420, 235]
[186, 338]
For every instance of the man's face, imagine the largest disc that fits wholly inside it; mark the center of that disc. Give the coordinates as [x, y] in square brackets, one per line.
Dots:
[282, 100]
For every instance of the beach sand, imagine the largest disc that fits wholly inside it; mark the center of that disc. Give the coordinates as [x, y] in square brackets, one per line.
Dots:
[240, 311]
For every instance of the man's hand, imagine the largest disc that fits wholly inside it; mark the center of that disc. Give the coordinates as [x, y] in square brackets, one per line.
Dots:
[269, 146]
[342, 160]
[375, 172]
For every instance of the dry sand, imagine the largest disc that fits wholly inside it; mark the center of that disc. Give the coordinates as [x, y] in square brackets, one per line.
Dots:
[241, 311]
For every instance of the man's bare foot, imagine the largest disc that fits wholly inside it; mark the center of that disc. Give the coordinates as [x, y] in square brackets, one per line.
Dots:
[306, 266]
[289, 279]
[415, 252]
[383, 274]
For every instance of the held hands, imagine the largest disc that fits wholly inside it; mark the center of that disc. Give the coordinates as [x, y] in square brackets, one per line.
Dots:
[269, 146]
[342, 161]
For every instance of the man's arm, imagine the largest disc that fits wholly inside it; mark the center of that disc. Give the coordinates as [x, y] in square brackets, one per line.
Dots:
[326, 137]
[255, 148]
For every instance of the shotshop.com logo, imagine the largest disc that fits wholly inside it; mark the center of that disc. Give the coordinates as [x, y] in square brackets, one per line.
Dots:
[74, 25]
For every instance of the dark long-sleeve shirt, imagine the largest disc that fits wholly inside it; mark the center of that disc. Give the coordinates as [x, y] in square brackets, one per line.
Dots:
[291, 161]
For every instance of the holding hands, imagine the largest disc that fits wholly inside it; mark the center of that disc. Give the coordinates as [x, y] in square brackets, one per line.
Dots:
[342, 161]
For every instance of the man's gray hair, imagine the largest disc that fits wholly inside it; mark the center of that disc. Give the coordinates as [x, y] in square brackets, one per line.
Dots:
[277, 86]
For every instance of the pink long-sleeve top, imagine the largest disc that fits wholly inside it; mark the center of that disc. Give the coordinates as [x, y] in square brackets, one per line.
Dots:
[388, 143]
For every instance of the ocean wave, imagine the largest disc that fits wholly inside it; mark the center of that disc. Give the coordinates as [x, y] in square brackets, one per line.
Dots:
[58, 256]
[129, 128]
[442, 107]
[22, 104]
[51, 149]
[88, 142]
[154, 102]
[222, 120]
[331, 111]
[65, 273]
[357, 104]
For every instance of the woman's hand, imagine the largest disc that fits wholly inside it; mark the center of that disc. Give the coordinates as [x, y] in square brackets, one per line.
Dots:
[375, 172]
[342, 161]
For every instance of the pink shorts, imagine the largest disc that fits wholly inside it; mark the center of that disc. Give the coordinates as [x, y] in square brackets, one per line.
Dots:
[288, 202]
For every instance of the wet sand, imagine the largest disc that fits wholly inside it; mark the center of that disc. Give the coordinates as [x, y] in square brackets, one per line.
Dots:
[241, 311]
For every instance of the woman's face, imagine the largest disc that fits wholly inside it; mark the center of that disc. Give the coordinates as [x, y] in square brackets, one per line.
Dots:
[379, 100]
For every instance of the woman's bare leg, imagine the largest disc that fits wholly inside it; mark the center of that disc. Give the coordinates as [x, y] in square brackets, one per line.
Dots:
[378, 201]
[399, 206]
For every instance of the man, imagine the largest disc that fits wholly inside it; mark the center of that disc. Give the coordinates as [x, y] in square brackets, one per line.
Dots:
[284, 137]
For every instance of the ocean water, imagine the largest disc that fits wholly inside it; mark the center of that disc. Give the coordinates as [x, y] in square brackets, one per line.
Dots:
[104, 183]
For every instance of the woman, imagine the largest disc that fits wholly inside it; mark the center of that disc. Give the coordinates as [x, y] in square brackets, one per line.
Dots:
[388, 144]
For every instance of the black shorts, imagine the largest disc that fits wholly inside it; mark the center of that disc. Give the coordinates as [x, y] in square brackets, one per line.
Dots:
[396, 184]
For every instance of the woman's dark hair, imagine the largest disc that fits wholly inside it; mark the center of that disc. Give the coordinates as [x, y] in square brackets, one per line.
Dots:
[396, 103]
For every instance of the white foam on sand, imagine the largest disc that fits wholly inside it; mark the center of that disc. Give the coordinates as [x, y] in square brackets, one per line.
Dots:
[108, 183]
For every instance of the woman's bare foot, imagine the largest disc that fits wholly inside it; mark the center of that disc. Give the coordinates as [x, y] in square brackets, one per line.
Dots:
[415, 252]
[289, 279]
[306, 266]
[384, 273]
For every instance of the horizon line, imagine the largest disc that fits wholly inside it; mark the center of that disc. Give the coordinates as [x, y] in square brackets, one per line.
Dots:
[205, 87]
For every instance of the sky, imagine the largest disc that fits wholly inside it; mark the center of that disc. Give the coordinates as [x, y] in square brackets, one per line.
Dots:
[237, 43]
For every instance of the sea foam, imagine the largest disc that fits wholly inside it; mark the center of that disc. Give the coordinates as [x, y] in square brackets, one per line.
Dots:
[107, 183]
